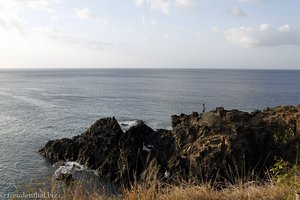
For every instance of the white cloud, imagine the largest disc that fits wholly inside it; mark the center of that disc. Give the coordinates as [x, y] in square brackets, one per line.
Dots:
[84, 13]
[250, 1]
[67, 39]
[185, 3]
[163, 6]
[265, 27]
[12, 24]
[10, 20]
[166, 6]
[42, 4]
[237, 12]
[243, 36]
[8, 4]
[285, 28]
[264, 35]
[45, 5]
[138, 2]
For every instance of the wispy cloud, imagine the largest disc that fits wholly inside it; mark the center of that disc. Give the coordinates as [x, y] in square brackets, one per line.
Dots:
[166, 6]
[251, 1]
[43, 5]
[161, 5]
[264, 35]
[48, 5]
[139, 2]
[185, 3]
[87, 14]
[10, 20]
[68, 39]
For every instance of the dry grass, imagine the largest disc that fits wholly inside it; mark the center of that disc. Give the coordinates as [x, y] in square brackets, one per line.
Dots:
[197, 192]
[282, 185]
[266, 192]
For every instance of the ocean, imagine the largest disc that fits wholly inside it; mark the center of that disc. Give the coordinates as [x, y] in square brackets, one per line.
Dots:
[39, 105]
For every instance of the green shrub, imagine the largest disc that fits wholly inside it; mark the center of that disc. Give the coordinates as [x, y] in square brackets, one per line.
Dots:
[286, 175]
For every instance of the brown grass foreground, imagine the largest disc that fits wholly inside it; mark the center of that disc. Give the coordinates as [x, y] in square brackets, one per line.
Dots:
[157, 191]
[206, 193]
[283, 183]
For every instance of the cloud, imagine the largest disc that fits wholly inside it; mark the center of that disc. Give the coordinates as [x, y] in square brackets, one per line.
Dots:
[44, 5]
[85, 13]
[163, 6]
[67, 39]
[9, 4]
[48, 5]
[251, 1]
[263, 35]
[185, 3]
[12, 23]
[139, 2]
[10, 20]
[166, 6]
[265, 27]
[285, 28]
[237, 12]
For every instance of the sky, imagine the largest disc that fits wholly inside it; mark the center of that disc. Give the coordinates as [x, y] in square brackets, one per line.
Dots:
[150, 34]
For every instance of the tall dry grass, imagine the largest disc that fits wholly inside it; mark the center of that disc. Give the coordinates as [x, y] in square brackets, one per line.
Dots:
[282, 184]
[266, 192]
[157, 190]
[251, 191]
[281, 188]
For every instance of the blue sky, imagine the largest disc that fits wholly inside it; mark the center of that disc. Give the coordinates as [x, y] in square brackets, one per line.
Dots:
[150, 33]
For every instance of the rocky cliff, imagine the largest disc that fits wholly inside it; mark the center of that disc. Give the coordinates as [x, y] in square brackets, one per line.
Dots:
[215, 145]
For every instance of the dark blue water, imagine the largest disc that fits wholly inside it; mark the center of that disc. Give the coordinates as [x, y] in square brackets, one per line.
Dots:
[38, 105]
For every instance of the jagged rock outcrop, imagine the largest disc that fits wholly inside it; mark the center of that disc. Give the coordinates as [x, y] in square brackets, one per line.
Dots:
[97, 148]
[231, 143]
[215, 145]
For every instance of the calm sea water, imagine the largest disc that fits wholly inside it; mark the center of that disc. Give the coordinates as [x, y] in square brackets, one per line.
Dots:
[39, 105]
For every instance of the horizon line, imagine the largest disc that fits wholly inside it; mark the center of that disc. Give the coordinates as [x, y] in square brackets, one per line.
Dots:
[180, 68]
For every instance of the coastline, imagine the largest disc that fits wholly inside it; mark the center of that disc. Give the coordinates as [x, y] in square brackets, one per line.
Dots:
[211, 147]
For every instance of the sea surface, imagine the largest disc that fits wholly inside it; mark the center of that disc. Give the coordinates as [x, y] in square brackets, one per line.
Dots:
[39, 105]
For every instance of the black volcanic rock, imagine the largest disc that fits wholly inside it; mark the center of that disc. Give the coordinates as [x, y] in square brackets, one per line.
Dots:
[214, 145]
[97, 148]
[62, 149]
